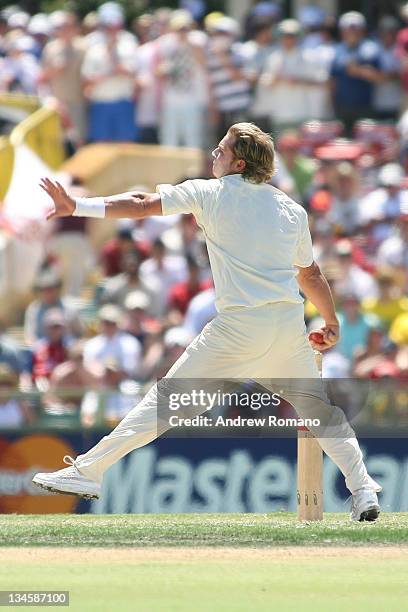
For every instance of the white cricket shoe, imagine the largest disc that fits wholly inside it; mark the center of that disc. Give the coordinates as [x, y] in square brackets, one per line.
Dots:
[69, 481]
[364, 505]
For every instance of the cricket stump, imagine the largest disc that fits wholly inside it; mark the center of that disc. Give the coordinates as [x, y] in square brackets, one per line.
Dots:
[309, 471]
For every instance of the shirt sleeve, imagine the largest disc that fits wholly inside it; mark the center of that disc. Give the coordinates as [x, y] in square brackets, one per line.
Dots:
[304, 253]
[187, 197]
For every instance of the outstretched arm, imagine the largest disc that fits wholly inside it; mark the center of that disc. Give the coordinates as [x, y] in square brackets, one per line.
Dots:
[316, 288]
[131, 205]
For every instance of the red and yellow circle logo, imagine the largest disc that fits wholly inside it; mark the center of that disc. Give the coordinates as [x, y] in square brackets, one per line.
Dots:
[19, 461]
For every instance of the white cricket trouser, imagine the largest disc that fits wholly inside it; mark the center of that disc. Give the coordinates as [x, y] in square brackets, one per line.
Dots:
[265, 342]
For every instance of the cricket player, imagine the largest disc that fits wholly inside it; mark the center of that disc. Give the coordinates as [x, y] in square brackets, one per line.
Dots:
[260, 251]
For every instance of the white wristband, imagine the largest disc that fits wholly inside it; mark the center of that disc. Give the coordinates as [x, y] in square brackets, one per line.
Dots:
[89, 207]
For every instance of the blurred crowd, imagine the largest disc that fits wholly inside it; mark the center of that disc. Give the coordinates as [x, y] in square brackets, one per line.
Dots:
[138, 83]
[335, 97]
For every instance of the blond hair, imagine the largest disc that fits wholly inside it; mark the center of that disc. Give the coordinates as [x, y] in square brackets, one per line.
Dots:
[256, 149]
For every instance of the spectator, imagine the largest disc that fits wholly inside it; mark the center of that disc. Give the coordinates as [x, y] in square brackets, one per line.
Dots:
[399, 330]
[48, 288]
[374, 355]
[230, 88]
[262, 11]
[319, 58]
[89, 26]
[323, 237]
[355, 326]
[161, 21]
[112, 347]
[148, 58]
[179, 236]
[284, 74]
[61, 70]
[18, 20]
[146, 330]
[112, 358]
[181, 294]
[385, 204]
[51, 350]
[20, 69]
[109, 71]
[136, 306]
[200, 311]
[343, 213]
[335, 365]
[312, 18]
[184, 85]
[39, 29]
[389, 303]
[10, 353]
[394, 250]
[110, 13]
[146, 231]
[257, 49]
[176, 340]
[113, 399]
[255, 53]
[351, 278]
[69, 380]
[15, 411]
[164, 271]
[300, 167]
[388, 92]
[355, 70]
[114, 251]
[142, 28]
[116, 288]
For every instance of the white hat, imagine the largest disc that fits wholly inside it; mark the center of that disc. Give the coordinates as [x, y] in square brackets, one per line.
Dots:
[110, 14]
[289, 26]
[59, 19]
[353, 19]
[226, 25]
[54, 316]
[181, 19]
[177, 336]
[391, 175]
[39, 24]
[110, 313]
[137, 299]
[18, 20]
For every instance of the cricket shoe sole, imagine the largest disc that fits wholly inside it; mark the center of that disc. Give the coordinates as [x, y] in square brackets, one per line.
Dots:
[68, 481]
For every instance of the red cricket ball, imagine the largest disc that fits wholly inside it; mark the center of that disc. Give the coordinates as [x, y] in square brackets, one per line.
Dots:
[317, 337]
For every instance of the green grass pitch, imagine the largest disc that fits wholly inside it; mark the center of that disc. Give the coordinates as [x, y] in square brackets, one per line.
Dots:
[254, 530]
[203, 562]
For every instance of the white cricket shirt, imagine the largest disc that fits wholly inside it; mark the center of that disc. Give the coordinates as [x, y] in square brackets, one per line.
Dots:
[255, 236]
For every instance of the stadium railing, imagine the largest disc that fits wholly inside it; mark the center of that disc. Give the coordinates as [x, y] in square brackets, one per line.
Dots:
[42, 132]
[6, 165]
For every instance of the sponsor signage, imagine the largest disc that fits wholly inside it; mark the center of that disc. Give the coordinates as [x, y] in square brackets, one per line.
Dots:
[190, 475]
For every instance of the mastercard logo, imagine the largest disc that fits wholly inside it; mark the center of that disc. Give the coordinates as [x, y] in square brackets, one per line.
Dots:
[19, 461]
